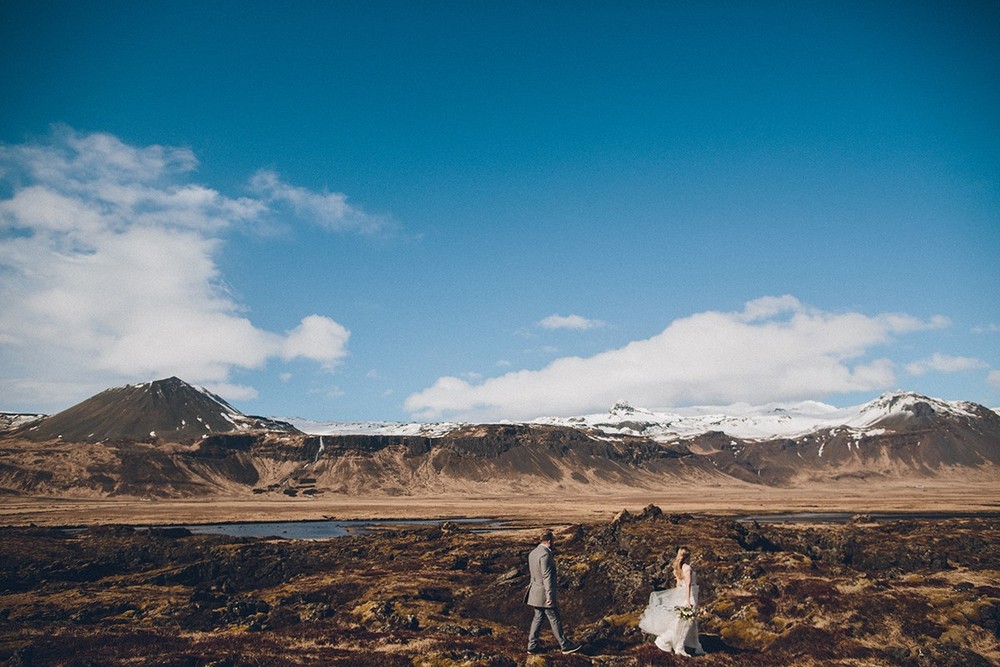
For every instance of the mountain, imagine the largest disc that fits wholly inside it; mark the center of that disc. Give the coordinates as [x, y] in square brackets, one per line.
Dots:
[892, 411]
[167, 438]
[169, 410]
[897, 434]
[747, 422]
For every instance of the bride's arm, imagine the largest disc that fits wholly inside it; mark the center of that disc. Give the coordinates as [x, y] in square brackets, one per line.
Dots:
[686, 570]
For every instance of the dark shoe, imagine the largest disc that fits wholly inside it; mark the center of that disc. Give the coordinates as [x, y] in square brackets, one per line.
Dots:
[572, 648]
[535, 651]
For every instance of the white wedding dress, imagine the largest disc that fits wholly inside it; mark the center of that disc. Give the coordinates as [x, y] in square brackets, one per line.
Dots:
[662, 619]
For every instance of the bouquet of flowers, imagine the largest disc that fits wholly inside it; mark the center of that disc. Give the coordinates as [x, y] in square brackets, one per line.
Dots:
[686, 613]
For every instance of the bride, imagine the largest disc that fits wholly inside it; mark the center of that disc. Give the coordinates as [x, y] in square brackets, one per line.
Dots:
[671, 613]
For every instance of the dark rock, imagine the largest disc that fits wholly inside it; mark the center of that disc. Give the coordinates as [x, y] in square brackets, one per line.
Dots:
[436, 594]
[650, 512]
[510, 575]
[951, 655]
[21, 657]
[899, 655]
[752, 537]
[989, 618]
[317, 612]
[622, 517]
[464, 631]
[242, 608]
[281, 617]
[387, 619]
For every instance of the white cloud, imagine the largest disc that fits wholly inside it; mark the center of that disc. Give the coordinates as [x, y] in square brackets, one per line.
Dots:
[774, 349]
[108, 264]
[989, 328]
[768, 307]
[328, 209]
[943, 363]
[994, 378]
[319, 339]
[569, 322]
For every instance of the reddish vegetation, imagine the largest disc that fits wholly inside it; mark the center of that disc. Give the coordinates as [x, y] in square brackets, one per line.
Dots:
[912, 593]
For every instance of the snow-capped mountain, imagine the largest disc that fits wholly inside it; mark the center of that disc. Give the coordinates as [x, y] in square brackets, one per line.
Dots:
[102, 446]
[427, 430]
[770, 421]
[740, 420]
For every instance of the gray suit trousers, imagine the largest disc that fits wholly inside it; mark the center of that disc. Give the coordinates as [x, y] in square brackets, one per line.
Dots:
[554, 621]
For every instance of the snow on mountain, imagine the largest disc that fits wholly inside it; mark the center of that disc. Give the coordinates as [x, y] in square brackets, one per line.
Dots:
[15, 420]
[907, 405]
[739, 420]
[774, 420]
[427, 430]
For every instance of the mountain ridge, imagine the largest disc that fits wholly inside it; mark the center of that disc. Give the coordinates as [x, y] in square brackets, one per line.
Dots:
[214, 414]
[169, 439]
[766, 422]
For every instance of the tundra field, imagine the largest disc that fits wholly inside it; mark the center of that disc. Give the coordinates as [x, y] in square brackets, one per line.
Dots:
[862, 592]
[945, 494]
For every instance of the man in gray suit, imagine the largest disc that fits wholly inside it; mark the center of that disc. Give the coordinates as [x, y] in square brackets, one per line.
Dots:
[541, 595]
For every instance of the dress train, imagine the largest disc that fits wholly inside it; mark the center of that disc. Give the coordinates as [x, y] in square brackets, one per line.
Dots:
[662, 619]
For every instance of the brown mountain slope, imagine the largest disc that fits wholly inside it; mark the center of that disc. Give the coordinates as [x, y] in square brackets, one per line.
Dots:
[167, 410]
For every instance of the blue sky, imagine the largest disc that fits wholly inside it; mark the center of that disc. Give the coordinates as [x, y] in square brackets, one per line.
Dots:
[453, 210]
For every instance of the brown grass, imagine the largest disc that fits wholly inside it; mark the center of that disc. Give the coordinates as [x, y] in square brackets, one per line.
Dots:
[942, 494]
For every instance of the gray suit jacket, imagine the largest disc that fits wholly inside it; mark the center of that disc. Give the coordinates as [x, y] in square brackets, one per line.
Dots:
[542, 566]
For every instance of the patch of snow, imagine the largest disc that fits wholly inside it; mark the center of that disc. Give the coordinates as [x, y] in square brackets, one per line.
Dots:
[426, 430]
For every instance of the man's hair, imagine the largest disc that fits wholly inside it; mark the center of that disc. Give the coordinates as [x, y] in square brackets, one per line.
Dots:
[547, 536]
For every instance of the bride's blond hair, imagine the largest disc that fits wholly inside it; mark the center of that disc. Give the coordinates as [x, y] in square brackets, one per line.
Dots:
[683, 556]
